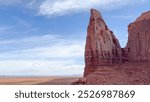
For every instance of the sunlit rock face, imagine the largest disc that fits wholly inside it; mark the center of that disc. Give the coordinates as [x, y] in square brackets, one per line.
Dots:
[138, 46]
[102, 47]
[106, 63]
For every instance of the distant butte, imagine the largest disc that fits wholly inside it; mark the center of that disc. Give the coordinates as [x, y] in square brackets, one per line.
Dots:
[107, 63]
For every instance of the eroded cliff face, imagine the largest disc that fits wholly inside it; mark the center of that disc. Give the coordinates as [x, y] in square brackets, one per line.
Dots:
[102, 47]
[107, 63]
[138, 46]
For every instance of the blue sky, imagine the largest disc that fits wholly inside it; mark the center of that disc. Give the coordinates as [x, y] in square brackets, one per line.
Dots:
[47, 37]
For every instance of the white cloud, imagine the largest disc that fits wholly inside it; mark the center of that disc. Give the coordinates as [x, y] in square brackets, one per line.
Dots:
[39, 67]
[58, 50]
[51, 55]
[62, 7]
[132, 17]
[32, 39]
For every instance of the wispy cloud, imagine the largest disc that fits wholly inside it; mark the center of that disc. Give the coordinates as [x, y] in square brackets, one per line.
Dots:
[40, 67]
[44, 55]
[124, 17]
[63, 7]
[42, 50]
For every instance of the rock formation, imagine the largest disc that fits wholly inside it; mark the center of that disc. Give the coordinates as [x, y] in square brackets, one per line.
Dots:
[102, 47]
[107, 63]
[138, 46]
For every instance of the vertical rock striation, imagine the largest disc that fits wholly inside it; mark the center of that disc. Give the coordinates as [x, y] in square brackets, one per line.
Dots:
[107, 63]
[138, 46]
[102, 47]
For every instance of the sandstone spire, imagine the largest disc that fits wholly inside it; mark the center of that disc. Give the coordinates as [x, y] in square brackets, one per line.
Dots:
[102, 47]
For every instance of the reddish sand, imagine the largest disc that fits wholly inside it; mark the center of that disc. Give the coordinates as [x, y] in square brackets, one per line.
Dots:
[37, 80]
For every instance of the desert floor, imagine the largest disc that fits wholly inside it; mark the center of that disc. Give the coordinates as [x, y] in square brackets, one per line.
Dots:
[52, 80]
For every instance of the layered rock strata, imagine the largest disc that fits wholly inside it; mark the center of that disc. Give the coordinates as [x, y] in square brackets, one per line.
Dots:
[107, 63]
[102, 47]
[138, 46]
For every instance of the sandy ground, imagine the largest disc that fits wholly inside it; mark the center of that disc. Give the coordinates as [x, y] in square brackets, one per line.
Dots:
[37, 80]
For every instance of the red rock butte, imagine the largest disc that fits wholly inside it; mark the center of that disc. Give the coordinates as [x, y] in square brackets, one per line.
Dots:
[102, 47]
[107, 63]
[138, 46]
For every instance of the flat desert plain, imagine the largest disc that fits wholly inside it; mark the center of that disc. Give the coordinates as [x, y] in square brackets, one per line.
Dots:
[50, 80]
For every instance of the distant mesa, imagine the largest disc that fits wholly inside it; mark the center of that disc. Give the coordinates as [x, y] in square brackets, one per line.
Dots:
[107, 63]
